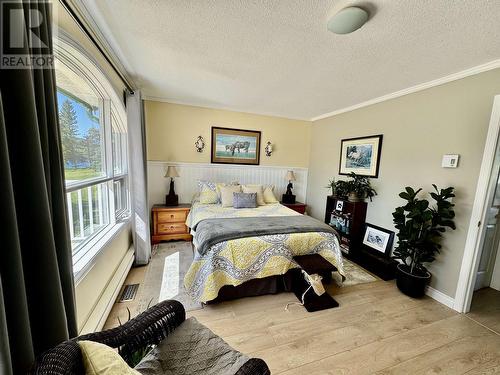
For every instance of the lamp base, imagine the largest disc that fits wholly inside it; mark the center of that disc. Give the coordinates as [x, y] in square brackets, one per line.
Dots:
[171, 200]
[288, 198]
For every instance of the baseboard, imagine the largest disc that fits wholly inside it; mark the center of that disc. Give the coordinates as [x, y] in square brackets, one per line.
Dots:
[440, 297]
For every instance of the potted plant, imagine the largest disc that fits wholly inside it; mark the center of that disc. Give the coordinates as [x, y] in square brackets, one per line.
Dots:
[332, 185]
[420, 229]
[359, 188]
[342, 188]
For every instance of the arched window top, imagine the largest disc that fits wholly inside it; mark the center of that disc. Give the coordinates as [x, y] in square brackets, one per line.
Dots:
[78, 72]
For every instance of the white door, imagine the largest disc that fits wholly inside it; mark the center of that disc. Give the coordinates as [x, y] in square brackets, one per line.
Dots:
[492, 232]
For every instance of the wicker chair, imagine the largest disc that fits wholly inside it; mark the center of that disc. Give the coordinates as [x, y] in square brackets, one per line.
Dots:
[148, 328]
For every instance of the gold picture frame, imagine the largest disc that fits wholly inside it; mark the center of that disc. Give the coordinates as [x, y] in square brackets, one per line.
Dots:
[235, 146]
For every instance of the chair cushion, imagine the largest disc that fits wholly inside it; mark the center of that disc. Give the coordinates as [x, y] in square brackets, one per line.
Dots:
[101, 359]
[192, 349]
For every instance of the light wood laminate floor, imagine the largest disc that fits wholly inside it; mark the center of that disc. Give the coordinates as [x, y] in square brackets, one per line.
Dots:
[485, 308]
[376, 329]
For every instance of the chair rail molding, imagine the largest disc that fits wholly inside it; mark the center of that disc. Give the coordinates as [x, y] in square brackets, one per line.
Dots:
[186, 185]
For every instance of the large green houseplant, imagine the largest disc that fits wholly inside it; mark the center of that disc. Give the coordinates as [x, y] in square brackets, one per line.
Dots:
[420, 228]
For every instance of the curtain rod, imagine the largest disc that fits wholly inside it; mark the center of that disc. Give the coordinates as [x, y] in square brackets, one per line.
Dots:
[73, 15]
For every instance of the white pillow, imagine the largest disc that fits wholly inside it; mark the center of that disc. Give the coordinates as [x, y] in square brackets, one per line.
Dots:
[269, 196]
[226, 194]
[255, 189]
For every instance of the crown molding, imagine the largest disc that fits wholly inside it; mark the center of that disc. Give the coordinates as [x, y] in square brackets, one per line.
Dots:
[221, 108]
[410, 90]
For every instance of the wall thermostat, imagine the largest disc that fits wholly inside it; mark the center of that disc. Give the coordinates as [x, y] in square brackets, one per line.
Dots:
[450, 161]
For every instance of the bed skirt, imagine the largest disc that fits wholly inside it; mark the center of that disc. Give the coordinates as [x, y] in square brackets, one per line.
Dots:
[257, 287]
[266, 285]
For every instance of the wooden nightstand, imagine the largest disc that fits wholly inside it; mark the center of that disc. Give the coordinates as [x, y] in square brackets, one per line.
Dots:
[297, 206]
[169, 223]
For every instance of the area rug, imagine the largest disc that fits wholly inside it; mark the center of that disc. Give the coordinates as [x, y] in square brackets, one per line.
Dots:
[354, 275]
[164, 277]
[170, 262]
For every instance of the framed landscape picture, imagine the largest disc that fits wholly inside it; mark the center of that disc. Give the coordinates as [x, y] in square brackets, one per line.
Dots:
[379, 239]
[361, 156]
[235, 146]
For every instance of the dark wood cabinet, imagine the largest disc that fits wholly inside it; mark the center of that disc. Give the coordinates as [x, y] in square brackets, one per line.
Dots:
[297, 206]
[353, 215]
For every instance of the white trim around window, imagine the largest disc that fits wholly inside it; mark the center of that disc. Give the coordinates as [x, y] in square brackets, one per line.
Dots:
[96, 212]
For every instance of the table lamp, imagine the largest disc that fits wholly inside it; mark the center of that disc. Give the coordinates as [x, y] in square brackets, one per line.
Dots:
[171, 199]
[288, 197]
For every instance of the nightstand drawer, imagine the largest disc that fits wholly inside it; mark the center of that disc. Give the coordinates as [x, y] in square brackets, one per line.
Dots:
[171, 228]
[172, 217]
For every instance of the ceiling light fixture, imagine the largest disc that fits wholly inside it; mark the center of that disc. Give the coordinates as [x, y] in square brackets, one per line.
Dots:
[347, 20]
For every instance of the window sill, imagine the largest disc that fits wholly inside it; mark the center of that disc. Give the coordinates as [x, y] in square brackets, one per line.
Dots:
[94, 248]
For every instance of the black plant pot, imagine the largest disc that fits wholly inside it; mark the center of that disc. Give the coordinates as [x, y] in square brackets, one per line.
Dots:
[411, 285]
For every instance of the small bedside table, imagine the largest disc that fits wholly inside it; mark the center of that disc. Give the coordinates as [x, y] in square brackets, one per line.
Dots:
[297, 206]
[169, 223]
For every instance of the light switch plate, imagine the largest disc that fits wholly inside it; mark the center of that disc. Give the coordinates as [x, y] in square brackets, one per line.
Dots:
[450, 161]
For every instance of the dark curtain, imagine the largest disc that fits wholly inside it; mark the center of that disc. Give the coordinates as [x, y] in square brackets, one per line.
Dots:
[37, 309]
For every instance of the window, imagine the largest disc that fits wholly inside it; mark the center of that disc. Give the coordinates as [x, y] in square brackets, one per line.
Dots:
[94, 141]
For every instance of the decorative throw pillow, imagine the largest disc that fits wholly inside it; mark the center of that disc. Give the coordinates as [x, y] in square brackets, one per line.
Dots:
[208, 192]
[255, 189]
[101, 359]
[226, 194]
[244, 200]
[269, 196]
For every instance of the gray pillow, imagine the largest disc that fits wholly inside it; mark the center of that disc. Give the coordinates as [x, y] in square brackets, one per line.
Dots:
[244, 200]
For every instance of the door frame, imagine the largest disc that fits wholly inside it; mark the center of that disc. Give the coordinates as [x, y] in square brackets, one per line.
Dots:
[475, 234]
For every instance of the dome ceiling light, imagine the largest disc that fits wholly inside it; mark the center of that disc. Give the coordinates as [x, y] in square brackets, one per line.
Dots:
[347, 20]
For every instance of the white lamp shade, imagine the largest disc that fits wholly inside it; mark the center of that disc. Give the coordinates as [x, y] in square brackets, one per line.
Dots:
[171, 172]
[290, 176]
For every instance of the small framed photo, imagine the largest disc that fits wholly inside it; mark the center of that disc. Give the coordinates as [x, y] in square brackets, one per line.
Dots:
[339, 206]
[379, 239]
[361, 155]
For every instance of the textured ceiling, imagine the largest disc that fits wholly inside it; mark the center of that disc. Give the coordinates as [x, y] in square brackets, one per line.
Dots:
[276, 56]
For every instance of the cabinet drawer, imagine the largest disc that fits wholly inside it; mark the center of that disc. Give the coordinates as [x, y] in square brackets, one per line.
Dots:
[172, 216]
[171, 228]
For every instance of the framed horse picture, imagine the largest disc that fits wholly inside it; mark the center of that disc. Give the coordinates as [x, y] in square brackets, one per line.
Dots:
[235, 146]
[361, 155]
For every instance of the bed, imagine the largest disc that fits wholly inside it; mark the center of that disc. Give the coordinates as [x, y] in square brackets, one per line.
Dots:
[253, 264]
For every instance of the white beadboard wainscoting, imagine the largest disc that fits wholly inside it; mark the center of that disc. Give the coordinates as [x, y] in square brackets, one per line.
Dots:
[186, 185]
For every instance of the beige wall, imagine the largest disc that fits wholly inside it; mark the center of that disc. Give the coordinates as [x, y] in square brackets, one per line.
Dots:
[418, 129]
[66, 25]
[95, 283]
[172, 130]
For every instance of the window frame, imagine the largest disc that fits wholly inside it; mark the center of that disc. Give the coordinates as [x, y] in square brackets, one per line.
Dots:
[73, 57]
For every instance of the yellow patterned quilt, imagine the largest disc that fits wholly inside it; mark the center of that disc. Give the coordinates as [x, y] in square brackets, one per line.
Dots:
[235, 261]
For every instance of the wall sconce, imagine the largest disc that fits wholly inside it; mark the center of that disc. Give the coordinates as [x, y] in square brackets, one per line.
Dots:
[268, 149]
[199, 144]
